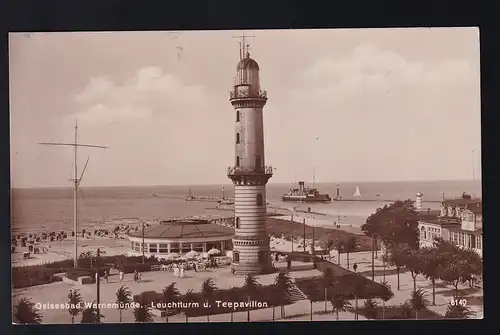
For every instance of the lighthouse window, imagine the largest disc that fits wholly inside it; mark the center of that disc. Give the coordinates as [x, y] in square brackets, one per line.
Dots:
[259, 199]
[237, 160]
[237, 116]
[237, 137]
[236, 256]
[237, 222]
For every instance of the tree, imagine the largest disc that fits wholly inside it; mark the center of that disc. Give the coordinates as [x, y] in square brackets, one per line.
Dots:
[328, 284]
[413, 261]
[431, 259]
[329, 246]
[123, 299]
[208, 289]
[91, 314]
[399, 224]
[26, 313]
[373, 227]
[142, 313]
[250, 286]
[189, 297]
[350, 246]
[170, 294]
[284, 285]
[339, 246]
[339, 304]
[418, 301]
[312, 292]
[385, 295]
[75, 304]
[397, 258]
[371, 309]
[233, 296]
[356, 286]
[450, 272]
[458, 311]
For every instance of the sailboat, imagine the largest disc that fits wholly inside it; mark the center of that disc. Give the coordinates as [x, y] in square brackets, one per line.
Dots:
[357, 193]
[189, 197]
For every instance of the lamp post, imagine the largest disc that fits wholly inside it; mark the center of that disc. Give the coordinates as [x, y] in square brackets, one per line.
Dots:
[98, 280]
[142, 242]
[304, 224]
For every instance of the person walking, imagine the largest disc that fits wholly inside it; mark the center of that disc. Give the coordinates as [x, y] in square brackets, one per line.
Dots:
[121, 275]
[140, 277]
[106, 276]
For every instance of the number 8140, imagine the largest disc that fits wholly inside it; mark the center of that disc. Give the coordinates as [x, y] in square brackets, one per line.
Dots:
[456, 302]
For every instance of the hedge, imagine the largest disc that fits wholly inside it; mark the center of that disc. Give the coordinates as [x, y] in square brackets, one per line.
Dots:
[396, 312]
[25, 276]
[263, 294]
[342, 286]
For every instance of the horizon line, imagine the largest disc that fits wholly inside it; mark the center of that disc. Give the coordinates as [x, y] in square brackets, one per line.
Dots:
[225, 184]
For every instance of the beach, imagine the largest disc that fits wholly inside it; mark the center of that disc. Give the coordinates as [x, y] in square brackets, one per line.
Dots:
[50, 210]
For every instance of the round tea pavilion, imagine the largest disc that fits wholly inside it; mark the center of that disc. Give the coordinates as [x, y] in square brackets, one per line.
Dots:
[180, 237]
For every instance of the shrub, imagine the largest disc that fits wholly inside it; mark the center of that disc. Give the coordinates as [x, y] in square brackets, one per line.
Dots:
[30, 276]
[147, 297]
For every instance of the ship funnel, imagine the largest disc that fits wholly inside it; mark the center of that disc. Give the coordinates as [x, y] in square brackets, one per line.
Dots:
[301, 186]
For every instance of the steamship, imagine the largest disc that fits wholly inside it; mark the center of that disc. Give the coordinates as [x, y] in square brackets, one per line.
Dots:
[305, 194]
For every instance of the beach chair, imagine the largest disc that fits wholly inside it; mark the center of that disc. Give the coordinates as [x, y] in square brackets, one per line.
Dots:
[26, 255]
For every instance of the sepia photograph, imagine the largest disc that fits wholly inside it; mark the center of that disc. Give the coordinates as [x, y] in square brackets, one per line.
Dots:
[246, 176]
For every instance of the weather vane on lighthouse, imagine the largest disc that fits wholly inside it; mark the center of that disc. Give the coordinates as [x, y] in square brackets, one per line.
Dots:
[244, 47]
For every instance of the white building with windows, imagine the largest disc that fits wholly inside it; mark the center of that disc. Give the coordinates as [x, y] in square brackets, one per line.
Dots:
[180, 237]
[459, 222]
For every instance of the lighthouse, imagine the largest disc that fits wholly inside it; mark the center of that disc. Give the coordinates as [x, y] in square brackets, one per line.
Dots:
[418, 200]
[249, 174]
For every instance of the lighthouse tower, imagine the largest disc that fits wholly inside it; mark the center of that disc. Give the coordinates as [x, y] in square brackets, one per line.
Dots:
[418, 200]
[251, 252]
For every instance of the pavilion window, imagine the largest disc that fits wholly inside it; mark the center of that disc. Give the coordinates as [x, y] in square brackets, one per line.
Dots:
[237, 222]
[163, 249]
[236, 256]
[479, 242]
[174, 247]
[198, 247]
[153, 248]
[132, 245]
[137, 246]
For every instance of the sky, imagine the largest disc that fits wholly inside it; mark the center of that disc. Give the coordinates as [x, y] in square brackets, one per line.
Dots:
[343, 105]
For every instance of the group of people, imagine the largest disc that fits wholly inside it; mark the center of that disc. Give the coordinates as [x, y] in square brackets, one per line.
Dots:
[137, 276]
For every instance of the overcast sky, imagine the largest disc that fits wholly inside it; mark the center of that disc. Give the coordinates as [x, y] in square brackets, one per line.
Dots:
[386, 104]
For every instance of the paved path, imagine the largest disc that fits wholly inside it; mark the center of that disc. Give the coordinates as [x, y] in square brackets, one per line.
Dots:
[300, 310]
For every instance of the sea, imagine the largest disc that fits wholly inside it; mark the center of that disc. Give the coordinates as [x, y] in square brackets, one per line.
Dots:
[52, 208]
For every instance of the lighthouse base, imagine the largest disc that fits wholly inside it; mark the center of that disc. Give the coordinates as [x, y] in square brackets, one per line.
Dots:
[243, 269]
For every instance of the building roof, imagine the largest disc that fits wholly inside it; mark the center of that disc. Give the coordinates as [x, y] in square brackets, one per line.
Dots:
[441, 221]
[247, 63]
[462, 202]
[185, 229]
[476, 208]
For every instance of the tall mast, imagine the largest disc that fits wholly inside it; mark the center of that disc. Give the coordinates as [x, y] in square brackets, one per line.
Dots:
[75, 198]
[76, 183]
[473, 166]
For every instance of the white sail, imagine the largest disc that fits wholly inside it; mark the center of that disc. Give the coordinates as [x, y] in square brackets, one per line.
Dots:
[357, 193]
